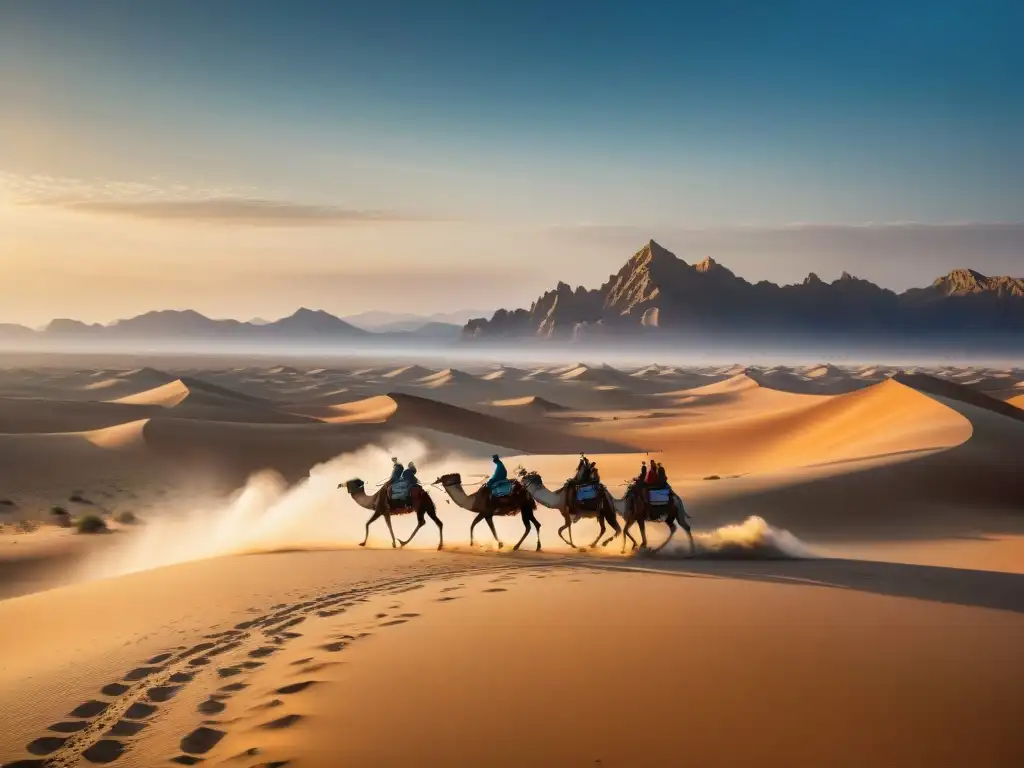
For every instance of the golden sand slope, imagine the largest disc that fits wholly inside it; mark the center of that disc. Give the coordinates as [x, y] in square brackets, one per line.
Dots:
[771, 433]
[316, 658]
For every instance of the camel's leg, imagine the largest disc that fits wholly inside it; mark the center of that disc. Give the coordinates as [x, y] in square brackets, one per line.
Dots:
[490, 524]
[681, 517]
[600, 533]
[526, 532]
[432, 514]
[420, 522]
[387, 519]
[568, 524]
[376, 513]
[626, 535]
[476, 520]
[671, 532]
[643, 533]
[536, 523]
[617, 531]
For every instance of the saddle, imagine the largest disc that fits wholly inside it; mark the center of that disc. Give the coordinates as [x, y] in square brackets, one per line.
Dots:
[501, 489]
[402, 496]
[585, 496]
[511, 498]
[659, 497]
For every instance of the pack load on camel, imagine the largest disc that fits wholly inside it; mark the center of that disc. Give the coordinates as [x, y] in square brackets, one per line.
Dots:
[399, 495]
[498, 497]
[650, 498]
[586, 493]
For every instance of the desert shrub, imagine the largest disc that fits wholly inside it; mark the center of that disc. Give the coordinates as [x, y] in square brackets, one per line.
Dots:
[90, 524]
[60, 517]
[126, 517]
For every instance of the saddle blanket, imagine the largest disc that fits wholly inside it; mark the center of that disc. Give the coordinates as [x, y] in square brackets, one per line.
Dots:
[501, 488]
[399, 490]
[658, 497]
[586, 492]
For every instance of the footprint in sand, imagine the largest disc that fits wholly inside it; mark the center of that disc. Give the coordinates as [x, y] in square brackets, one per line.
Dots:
[282, 722]
[104, 751]
[139, 711]
[46, 745]
[163, 693]
[296, 687]
[496, 589]
[89, 709]
[125, 728]
[447, 599]
[71, 726]
[260, 653]
[393, 623]
[234, 687]
[160, 659]
[211, 707]
[201, 740]
[114, 689]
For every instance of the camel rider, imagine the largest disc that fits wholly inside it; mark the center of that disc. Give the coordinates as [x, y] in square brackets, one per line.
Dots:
[642, 477]
[651, 481]
[396, 470]
[409, 475]
[583, 469]
[662, 477]
[500, 474]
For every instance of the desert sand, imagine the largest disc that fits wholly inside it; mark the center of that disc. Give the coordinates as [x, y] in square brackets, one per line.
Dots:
[855, 596]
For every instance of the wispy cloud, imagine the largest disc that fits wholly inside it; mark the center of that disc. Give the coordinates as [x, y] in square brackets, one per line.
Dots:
[157, 201]
[229, 210]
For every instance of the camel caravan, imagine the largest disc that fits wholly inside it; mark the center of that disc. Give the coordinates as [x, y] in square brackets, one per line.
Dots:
[649, 498]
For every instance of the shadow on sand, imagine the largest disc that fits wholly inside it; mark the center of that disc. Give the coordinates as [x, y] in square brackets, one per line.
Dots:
[978, 589]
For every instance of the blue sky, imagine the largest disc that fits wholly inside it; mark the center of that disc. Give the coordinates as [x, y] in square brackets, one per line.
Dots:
[654, 115]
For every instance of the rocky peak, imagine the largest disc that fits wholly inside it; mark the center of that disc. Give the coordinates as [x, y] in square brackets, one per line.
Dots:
[706, 265]
[813, 279]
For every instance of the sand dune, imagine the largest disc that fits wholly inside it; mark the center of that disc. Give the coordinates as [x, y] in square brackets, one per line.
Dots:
[537, 406]
[408, 373]
[445, 378]
[234, 656]
[885, 418]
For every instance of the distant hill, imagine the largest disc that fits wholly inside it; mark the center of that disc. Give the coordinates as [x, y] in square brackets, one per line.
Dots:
[382, 321]
[659, 294]
[304, 325]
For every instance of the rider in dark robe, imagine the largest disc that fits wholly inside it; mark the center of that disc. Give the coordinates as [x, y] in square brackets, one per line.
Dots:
[396, 470]
[409, 475]
[662, 477]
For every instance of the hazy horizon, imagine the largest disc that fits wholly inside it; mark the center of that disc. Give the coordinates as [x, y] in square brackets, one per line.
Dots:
[246, 159]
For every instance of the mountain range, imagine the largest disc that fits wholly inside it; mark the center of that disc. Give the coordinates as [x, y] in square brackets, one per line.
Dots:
[304, 324]
[658, 294]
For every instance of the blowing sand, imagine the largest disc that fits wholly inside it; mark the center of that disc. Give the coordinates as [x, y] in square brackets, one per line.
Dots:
[855, 594]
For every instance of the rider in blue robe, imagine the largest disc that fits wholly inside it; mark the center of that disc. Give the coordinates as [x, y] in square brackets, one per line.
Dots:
[500, 474]
[396, 470]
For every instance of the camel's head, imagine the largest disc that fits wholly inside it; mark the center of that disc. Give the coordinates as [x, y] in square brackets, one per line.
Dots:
[452, 478]
[354, 486]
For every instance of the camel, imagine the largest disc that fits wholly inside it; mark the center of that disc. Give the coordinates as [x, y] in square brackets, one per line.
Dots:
[486, 506]
[603, 511]
[643, 512]
[380, 503]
